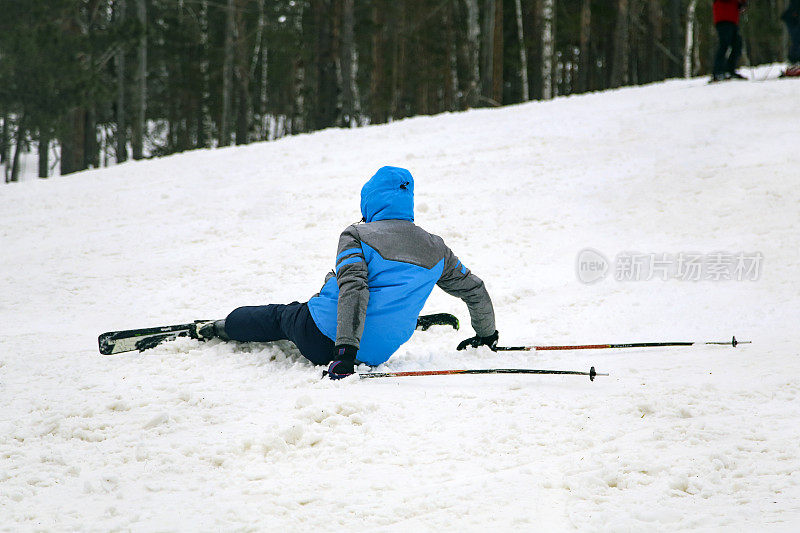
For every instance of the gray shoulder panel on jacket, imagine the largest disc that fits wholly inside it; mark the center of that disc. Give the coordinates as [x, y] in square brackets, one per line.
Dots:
[400, 240]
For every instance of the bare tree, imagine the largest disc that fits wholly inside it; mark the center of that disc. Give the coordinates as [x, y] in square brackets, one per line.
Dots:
[227, 75]
[487, 49]
[377, 83]
[620, 63]
[348, 60]
[20, 138]
[655, 61]
[399, 59]
[689, 48]
[473, 52]
[548, 46]
[263, 94]
[244, 112]
[675, 38]
[584, 59]
[4, 141]
[44, 152]
[450, 66]
[523, 53]
[497, 53]
[122, 136]
[204, 125]
[298, 83]
[140, 82]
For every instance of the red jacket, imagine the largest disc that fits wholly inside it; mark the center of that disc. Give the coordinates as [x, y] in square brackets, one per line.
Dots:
[727, 10]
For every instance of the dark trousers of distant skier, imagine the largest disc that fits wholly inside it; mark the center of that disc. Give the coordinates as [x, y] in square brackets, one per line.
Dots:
[794, 49]
[792, 19]
[730, 48]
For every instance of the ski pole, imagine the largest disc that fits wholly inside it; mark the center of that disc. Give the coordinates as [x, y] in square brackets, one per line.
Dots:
[733, 342]
[591, 373]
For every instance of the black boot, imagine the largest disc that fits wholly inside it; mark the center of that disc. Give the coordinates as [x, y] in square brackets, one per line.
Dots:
[205, 331]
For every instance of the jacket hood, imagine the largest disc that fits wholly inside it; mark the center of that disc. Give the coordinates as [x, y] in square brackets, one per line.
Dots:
[388, 195]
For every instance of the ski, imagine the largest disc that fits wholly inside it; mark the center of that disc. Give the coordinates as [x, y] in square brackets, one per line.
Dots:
[114, 342]
[733, 342]
[370, 375]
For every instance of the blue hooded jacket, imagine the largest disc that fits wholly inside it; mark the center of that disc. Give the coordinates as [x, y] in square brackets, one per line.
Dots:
[386, 269]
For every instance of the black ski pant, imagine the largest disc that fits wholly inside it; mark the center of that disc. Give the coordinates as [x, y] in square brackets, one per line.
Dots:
[730, 48]
[794, 45]
[276, 322]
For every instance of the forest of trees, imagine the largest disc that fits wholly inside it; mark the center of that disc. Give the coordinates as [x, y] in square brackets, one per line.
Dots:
[89, 83]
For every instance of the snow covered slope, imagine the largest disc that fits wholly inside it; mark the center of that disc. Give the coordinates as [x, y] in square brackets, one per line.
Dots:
[233, 437]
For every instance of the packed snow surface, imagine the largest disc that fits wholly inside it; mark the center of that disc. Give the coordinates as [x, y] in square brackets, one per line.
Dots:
[216, 436]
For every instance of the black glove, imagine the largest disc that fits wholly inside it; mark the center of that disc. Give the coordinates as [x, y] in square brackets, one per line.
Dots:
[477, 340]
[344, 363]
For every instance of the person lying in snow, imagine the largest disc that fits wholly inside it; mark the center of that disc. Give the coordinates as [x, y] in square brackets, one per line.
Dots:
[385, 270]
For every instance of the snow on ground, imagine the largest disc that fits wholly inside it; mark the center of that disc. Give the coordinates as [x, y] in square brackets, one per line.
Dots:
[216, 436]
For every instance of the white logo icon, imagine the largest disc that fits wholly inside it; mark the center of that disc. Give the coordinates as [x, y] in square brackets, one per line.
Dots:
[591, 266]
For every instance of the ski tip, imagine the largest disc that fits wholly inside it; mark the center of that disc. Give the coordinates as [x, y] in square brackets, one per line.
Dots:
[104, 344]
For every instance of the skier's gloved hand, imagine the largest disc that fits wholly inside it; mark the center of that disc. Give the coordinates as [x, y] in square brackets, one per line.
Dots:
[477, 340]
[344, 363]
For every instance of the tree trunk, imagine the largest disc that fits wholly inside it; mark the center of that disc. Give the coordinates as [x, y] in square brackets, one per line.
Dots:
[242, 72]
[139, 125]
[244, 113]
[487, 50]
[325, 112]
[204, 122]
[44, 152]
[348, 66]
[91, 146]
[473, 52]
[497, 53]
[4, 140]
[675, 37]
[399, 61]
[620, 63]
[377, 86]
[634, 46]
[523, 54]
[227, 75]
[548, 45]
[73, 154]
[264, 125]
[121, 137]
[449, 67]
[585, 60]
[20, 138]
[298, 85]
[689, 48]
[656, 64]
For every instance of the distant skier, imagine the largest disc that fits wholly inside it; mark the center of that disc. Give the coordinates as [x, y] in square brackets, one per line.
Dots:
[368, 307]
[726, 20]
[792, 19]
